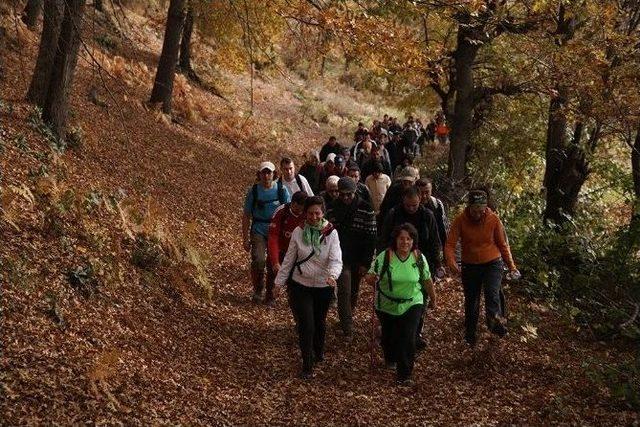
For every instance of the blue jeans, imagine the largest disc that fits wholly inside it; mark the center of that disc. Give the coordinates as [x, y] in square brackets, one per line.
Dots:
[475, 278]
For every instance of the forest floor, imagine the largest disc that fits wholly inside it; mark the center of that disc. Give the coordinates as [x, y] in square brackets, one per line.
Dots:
[178, 341]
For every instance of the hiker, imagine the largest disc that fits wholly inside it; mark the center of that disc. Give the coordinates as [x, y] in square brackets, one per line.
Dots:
[361, 151]
[442, 131]
[402, 278]
[310, 171]
[292, 180]
[285, 219]
[405, 164]
[484, 250]
[425, 186]
[327, 169]
[330, 194]
[376, 157]
[384, 152]
[393, 149]
[262, 199]
[430, 131]
[340, 164]
[378, 183]
[331, 146]
[361, 189]
[410, 211]
[312, 265]
[348, 160]
[355, 222]
[393, 196]
[360, 133]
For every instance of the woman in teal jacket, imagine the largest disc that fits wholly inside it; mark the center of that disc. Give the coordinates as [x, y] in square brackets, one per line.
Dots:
[400, 273]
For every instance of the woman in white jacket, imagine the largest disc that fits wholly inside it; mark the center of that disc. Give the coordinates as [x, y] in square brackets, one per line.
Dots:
[310, 268]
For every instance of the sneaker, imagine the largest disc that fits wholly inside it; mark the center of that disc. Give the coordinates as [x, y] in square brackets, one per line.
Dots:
[499, 329]
[256, 298]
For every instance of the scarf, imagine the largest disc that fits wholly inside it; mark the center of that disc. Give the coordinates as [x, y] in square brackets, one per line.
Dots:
[311, 234]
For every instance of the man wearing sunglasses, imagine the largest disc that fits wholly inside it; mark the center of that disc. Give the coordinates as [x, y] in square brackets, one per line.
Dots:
[262, 199]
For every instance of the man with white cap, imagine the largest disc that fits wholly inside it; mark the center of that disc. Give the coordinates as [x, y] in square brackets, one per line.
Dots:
[327, 169]
[262, 199]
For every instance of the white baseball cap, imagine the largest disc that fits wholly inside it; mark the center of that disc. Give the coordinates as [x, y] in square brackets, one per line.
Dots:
[267, 165]
[331, 157]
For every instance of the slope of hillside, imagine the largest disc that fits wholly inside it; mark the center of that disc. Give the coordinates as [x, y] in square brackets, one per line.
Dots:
[125, 293]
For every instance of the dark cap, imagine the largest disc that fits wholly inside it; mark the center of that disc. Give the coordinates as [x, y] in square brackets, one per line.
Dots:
[339, 160]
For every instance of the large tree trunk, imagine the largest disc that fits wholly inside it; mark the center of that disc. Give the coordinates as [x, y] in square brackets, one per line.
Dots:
[53, 13]
[635, 166]
[566, 167]
[32, 13]
[462, 118]
[163, 84]
[56, 104]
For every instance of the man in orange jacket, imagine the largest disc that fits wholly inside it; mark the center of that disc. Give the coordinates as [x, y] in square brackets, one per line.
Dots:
[484, 249]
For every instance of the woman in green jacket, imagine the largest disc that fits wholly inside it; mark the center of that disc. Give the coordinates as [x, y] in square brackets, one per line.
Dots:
[400, 273]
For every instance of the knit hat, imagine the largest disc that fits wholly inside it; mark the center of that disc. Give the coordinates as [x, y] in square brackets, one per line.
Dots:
[477, 197]
[346, 185]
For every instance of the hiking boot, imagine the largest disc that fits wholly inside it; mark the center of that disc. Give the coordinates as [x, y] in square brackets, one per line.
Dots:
[405, 382]
[318, 358]
[499, 329]
[390, 365]
[256, 298]
[306, 375]
[470, 339]
[421, 344]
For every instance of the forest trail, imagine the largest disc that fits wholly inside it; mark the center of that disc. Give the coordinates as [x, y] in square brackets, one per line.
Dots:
[146, 349]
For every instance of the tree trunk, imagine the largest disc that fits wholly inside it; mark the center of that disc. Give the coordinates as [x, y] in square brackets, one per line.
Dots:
[635, 165]
[462, 119]
[185, 44]
[566, 167]
[32, 13]
[56, 104]
[163, 84]
[53, 12]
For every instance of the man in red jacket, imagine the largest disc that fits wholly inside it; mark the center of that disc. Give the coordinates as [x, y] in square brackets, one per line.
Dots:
[285, 219]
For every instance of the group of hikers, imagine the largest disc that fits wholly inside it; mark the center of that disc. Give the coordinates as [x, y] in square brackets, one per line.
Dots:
[362, 214]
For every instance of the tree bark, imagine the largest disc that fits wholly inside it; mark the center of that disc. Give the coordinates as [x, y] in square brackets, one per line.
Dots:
[185, 44]
[163, 83]
[566, 168]
[53, 13]
[32, 13]
[98, 5]
[462, 117]
[635, 165]
[56, 103]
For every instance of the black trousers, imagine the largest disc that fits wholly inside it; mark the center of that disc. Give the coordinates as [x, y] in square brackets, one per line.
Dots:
[475, 278]
[310, 306]
[399, 338]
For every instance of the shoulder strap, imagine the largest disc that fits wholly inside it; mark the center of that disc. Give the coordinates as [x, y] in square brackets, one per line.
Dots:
[281, 195]
[299, 181]
[420, 264]
[254, 192]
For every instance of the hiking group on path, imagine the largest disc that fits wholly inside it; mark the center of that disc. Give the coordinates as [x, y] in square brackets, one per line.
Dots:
[363, 214]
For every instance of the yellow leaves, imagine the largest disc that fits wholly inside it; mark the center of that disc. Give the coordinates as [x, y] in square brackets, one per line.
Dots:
[9, 203]
[530, 332]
